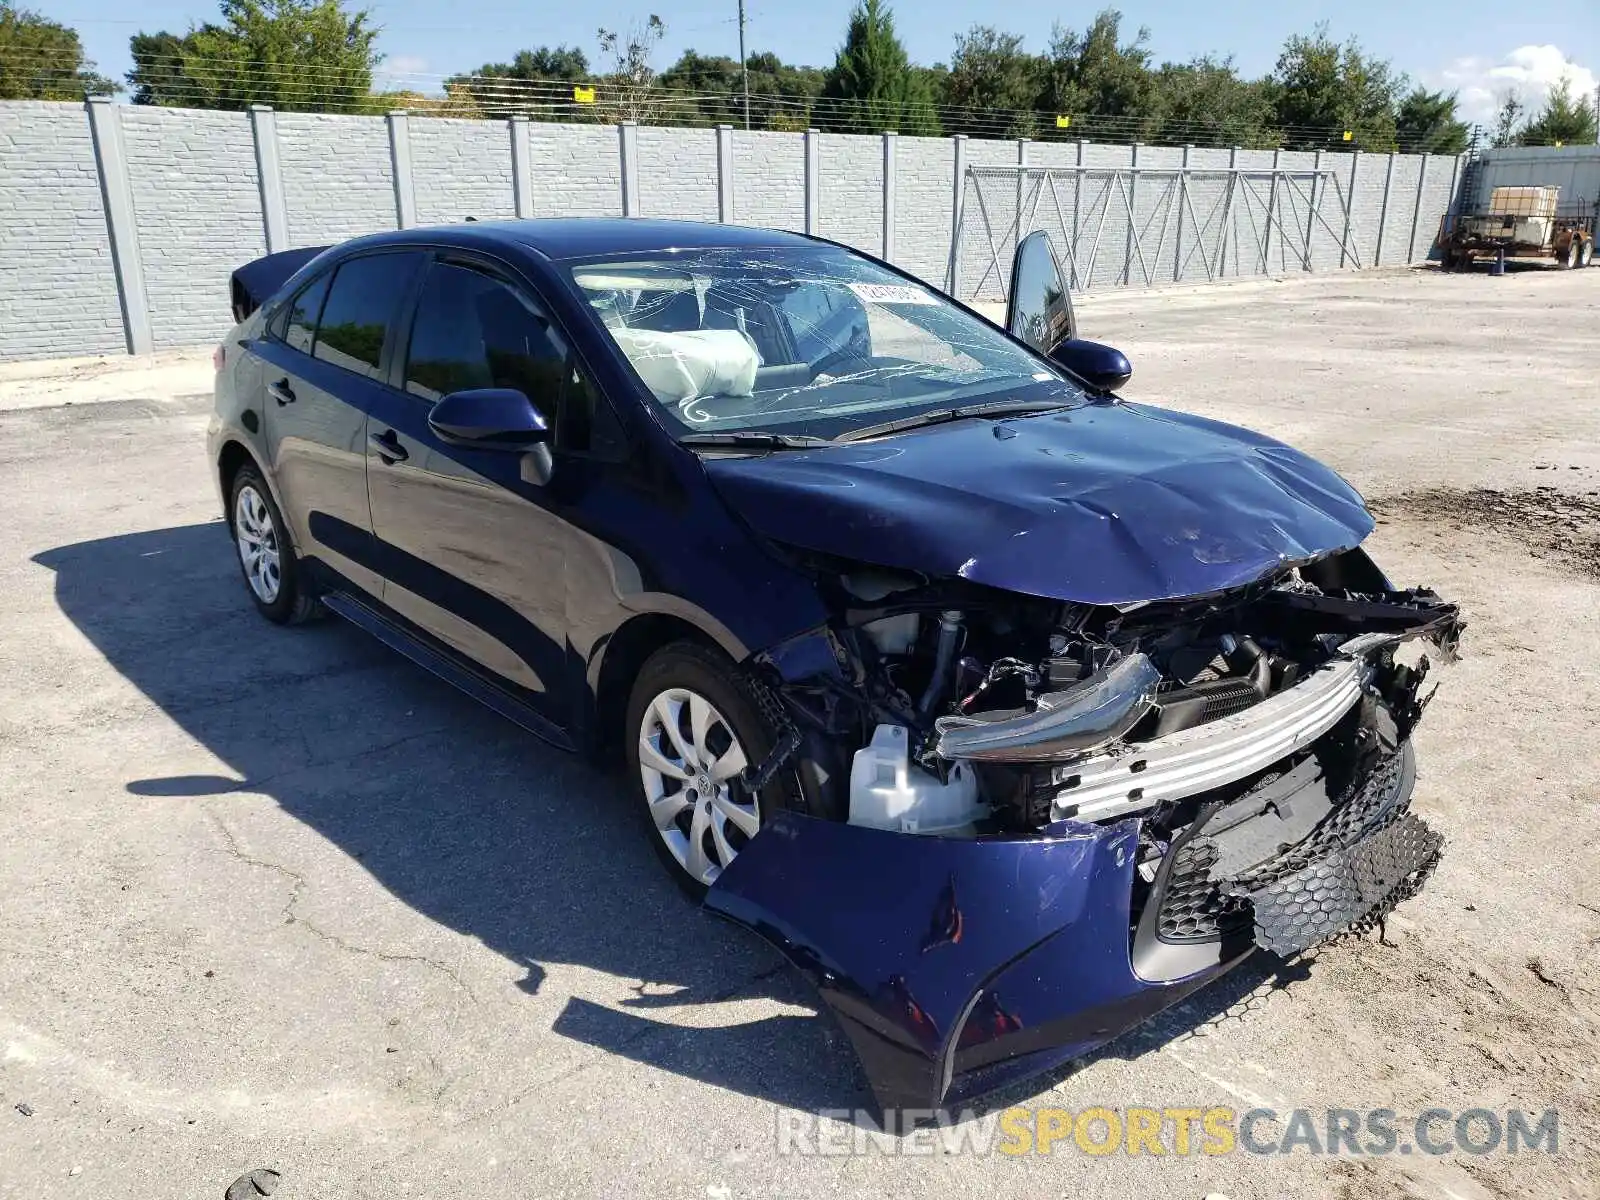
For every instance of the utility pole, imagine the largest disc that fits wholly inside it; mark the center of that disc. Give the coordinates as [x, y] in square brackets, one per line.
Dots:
[744, 66]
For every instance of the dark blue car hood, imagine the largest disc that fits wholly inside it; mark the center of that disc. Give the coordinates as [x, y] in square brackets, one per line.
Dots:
[1104, 504]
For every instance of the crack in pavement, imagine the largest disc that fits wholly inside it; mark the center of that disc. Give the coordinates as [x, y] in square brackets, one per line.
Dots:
[300, 884]
[649, 1030]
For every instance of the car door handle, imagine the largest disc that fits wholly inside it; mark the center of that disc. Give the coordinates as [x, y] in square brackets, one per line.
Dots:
[388, 446]
[281, 392]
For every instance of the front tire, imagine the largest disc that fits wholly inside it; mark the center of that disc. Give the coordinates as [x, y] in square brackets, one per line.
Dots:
[1586, 254]
[272, 573]
[695, 721]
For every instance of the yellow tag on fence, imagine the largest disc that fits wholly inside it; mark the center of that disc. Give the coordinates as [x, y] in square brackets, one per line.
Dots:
[1063, 122]
[1348, 136]
[583, 95]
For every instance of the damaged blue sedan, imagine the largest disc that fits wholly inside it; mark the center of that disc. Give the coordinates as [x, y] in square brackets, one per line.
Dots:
[1011, 711]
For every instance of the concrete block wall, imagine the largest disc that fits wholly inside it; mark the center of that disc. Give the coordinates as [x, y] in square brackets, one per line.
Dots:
[577, 170]
[120, 224]
[678, 173]
[769, 179]
[460, 169]
[58, 287]
[338, 177]
[194, 226]
[851, 170]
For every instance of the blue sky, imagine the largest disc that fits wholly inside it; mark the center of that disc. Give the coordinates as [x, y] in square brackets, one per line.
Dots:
[1479, 47]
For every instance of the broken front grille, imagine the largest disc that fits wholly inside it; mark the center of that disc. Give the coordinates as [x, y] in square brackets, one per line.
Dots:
[1346, 869]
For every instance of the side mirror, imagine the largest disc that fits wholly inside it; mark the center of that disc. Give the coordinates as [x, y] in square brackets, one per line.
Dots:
[489, 419]
[1101, 367]
[1039, 307]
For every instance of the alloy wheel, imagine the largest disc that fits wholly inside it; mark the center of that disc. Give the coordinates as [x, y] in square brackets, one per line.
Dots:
[257, 539]
[689, 761]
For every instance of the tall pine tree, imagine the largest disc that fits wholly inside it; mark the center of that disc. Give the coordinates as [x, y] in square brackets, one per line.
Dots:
[872, 83]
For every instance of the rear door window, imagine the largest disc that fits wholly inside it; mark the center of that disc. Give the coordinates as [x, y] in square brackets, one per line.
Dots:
[300, 329]
[361, 304]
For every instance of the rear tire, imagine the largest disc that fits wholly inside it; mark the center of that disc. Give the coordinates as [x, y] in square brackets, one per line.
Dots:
[696, 719]
[1586, 254]
[1573, 257]
[272, 573]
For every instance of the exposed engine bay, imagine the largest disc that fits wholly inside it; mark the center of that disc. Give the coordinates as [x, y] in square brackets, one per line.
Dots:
[1254, 733]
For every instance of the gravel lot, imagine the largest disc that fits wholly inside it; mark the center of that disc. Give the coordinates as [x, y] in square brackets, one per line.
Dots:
[277, 899]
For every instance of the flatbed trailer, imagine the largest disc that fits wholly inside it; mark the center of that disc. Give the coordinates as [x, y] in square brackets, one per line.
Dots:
[1520, 223]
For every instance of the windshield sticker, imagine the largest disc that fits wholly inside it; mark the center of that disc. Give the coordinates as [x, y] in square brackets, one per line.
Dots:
[888, 293]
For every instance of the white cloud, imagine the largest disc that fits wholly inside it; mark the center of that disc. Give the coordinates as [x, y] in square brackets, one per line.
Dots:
[404, 64]
[1529, 71]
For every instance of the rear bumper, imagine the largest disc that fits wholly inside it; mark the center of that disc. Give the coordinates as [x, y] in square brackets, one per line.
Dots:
[956, 966]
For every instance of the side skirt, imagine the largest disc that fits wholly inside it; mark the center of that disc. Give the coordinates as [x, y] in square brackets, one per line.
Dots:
[447, 668]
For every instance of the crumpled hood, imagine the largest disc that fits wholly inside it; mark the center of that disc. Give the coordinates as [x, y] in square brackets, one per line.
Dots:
[1105, 504]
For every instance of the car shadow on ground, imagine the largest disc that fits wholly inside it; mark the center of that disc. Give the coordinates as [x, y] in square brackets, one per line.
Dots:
[467, 819]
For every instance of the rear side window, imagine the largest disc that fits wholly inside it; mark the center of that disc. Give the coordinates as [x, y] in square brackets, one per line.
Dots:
[473, 331]
[303, 311]
[360, 305]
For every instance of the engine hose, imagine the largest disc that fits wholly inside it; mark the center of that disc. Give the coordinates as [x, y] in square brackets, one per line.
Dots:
[943, 660]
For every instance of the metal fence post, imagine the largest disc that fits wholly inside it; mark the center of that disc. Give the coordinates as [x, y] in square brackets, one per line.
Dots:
[1416, 213]
[1349, 207]
[1272, 213]
[521, 166]
[1311, 208]
[105, 129]
[1076, 283]
[264, 133]
[628, 147]
[812, 183]
[957, 200]
[725, 173]
[1133, 209]
[1226, 225]
[405, 197]
[1183, 197]
[889, 143]
[1022, 187]
[1383, 212]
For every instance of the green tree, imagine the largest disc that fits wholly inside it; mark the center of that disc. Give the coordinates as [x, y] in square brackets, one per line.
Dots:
[1562, 119]
[538, 82]
[1321, 88]
[994, 82]
[41, 59]
[1208, 103]
[1104, 83]
[309, 55]
[872, 83]
[1508, 119]
[1426, 123]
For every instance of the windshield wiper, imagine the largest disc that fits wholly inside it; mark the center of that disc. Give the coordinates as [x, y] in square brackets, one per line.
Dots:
[754, 439]
[940, 415]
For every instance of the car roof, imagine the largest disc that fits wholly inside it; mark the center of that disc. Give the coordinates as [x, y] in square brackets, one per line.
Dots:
[583, 237]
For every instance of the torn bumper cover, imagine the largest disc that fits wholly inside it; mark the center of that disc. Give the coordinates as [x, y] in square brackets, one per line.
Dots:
[956, 966]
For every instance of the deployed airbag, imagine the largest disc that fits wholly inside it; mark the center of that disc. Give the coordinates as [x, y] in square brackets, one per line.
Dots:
[685, 366]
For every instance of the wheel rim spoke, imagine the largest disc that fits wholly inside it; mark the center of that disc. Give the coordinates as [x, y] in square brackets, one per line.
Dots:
[719, 838]
[667, 712]
[665, 809]
[651, 757]
[694, 858]
[700, 715]
[729, 765]
[742, 818]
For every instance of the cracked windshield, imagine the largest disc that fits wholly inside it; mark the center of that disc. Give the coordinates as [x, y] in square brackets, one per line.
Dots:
[814, 344]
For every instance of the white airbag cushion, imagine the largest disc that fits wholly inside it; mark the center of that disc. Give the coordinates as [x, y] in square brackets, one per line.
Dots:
[679, 367]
